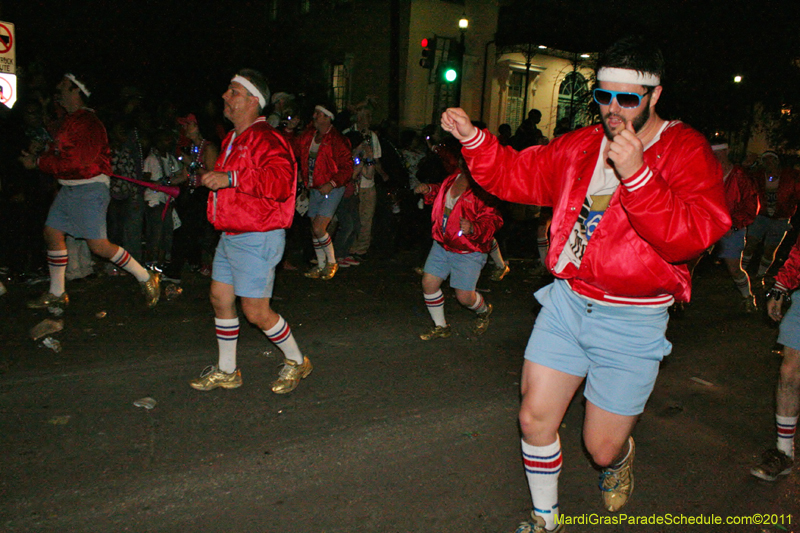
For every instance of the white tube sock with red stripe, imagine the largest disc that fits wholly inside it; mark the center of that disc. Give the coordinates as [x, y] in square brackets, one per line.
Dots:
[787, 426]
[479, 305]
[435, 304]
[57, 266]
[281, 335]
[126, 262]
[227, 338]
[542, 468]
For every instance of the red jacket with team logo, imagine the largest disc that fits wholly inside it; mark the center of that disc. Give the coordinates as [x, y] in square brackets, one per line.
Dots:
[80, 149]
[475, 205]
[788, 193]
[666, 214]
[741, 197]
[264, 177]
[334, 161]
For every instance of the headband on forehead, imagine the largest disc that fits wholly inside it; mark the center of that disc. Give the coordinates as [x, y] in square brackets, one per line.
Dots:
[718, 147]
[79, 85]
[324, 111]
[626, 75]
[247, 84]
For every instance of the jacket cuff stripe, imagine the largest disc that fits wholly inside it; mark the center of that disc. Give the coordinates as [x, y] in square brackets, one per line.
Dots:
[474, 141]
[637, 181]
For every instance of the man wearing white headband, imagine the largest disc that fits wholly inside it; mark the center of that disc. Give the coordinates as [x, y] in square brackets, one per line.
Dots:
[252, 203]
[80, 159]
[634, 199]
[326, 166]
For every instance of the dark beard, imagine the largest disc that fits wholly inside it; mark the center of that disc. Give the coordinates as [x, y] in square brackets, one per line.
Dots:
[638, 122]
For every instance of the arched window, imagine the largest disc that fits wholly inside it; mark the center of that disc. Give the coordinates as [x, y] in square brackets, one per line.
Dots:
[573, 101]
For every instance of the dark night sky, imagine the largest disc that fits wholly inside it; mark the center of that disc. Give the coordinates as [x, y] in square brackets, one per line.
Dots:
[178, 49]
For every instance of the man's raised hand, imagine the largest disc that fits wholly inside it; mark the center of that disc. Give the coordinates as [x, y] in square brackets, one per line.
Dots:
[457, 122]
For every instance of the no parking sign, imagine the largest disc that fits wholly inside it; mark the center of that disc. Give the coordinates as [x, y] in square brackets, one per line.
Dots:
[8, 65]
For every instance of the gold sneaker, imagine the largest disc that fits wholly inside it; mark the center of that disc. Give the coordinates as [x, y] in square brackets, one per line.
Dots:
[49, 299]
[617, 483]
[314, 273]
[212, 377]
[290, 375]
[436, 332]
[152, 288]
[329, 271]
[482, 322]
[537, 525]
[500, 273]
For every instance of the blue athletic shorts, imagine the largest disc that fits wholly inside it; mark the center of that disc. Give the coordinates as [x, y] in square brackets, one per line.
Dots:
[80, 210]
[248, 260]
[463, 269]
[324, 206]
[789, 332]
[769, 230]
[618, 349]
[731, 244]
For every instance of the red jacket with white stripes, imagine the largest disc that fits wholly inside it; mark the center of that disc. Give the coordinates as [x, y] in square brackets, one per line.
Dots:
[666, 214]
[334, 160]
[475, 205]
[741, 197]
[264, 177]
[788, 194]
[80, 150]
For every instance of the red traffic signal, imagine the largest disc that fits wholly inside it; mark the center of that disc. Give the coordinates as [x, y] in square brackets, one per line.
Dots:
[428, 52]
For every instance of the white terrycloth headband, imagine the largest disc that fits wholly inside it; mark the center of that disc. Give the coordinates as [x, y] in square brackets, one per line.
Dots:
[625, 75]
[718, 147]
[324, 111]
[79, 85]
[247, 84]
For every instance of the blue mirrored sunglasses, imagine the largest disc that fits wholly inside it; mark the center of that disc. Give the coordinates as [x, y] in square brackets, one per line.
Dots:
[626, 100]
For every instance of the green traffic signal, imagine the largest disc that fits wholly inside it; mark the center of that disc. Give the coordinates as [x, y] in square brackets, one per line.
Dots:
[450, 74]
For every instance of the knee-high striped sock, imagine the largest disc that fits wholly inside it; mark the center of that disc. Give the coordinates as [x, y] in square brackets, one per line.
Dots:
[743, 284]
[787, 426]
[57, 266]
[746, 261]
[764, 265]
[319, 251]
[479, 305]
[326, 243]
[227, 338]
[126, 262]
[542, 468]
[435, 304]
[542, 246]
[496, 255]
[281, 335]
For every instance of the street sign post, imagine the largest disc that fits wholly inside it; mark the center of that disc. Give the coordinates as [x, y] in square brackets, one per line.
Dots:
[8, 65]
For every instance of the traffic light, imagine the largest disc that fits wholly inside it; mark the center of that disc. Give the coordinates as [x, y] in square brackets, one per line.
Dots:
[428, 52]
[450, 72]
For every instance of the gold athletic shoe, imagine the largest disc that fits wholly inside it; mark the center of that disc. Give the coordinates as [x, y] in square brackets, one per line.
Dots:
[212, 377]
[329, 271]
[436, 332]
[482, 322]
[617, 483]
[152, 288]
[49, 299]
[290, 375]
[500, 273]
[537, 525]
[314, 273]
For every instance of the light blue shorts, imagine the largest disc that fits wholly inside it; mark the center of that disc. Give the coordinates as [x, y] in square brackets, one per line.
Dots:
[732, 244]
[80, 210]
[248, 260]
[324, 206]
[463, 269]
[617, 349]
[789, 332]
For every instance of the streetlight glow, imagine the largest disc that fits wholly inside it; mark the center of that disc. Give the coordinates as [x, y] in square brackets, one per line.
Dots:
[463, 23]
[737, 79]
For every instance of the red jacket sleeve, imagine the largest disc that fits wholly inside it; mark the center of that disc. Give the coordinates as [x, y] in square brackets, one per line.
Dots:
[788, 277]
[80, 149]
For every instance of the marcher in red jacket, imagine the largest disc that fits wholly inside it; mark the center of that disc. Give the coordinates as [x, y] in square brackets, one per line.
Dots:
[633, 199]
[778, 197]
[465, 219]
[252, 203]
[741, 198]
[326, 165]
[778, 461]
[80, 159]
